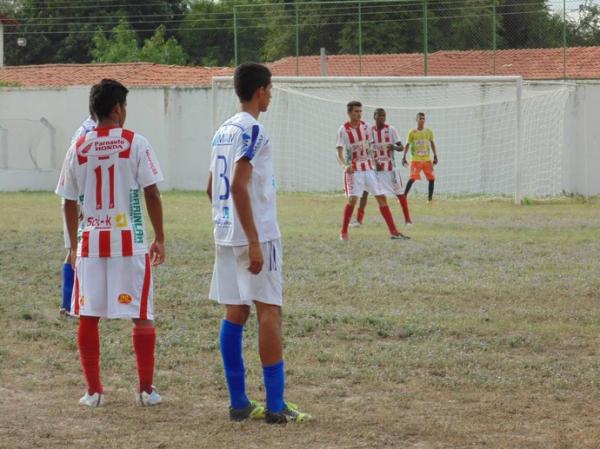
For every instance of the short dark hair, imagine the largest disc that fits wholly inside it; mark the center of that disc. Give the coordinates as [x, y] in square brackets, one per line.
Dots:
[248, 78]
[105, 95]
[378, 111]
[420, 114]
[352, 104]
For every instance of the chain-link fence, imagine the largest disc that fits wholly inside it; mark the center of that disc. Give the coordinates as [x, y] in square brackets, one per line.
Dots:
[546, 38]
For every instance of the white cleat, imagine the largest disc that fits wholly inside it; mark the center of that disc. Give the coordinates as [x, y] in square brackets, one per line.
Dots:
[355, 224]
[149, 399]
[94, 400]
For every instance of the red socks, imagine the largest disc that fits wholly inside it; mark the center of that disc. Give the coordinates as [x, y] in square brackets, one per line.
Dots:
[88, 340]
[144, 343]
[387, 215]
[360, 214]
[347, 216]
[404, 206]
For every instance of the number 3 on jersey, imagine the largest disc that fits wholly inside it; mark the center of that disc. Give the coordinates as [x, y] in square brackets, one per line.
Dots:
[224, 175]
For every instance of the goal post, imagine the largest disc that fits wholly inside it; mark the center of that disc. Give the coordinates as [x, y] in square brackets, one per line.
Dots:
[495, 135]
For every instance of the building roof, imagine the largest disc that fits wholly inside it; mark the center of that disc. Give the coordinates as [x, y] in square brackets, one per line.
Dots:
[130, 74]
[543, 63]
[537, 64]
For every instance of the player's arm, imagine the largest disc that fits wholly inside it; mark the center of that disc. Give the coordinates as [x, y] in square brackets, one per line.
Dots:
[155, 212]
[433, 148]
[209, 186]
[71, 213]
[242, 173]
[340, 156]
[406, 147]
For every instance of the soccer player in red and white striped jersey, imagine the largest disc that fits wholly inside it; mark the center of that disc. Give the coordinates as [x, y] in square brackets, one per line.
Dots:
[110, 166]
[386, 142]
[354, 155]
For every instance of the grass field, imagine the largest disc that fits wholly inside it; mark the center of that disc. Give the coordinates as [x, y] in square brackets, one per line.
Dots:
[480, 332]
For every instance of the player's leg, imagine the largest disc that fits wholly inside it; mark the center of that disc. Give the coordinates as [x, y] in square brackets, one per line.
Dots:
[89, 302]
[143, 336]
[430, 175]
[267, 289]
[353, 186]
[231, 344]
[360, 213]
[131, 295]
[348, 210]
[386, 213]
[415, 175]
[377, 188]
[395, 180]
[224, 288]
[68, 277]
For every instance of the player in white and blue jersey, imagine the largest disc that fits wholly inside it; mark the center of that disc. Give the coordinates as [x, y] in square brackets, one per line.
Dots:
[248, 259]
[68, 274]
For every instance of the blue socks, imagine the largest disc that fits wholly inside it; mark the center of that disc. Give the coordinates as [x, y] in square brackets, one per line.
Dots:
[274, 376]
[233, 362]
[68, 276]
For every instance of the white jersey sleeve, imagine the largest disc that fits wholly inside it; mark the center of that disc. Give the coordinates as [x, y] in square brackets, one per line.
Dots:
[253, 139]
[341, 138]
[149, 171]
[67, 186]
[86, 126]
[394, 136]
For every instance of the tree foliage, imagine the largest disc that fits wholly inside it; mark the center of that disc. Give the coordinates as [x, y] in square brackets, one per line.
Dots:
[202, 31]
[122, 46]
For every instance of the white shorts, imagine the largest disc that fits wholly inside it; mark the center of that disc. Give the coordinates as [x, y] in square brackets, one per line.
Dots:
[359, 181]
[233, 284]
[113, 287]
[391, 182]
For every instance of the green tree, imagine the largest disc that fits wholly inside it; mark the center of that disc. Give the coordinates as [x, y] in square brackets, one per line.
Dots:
[122, 46]
[161, 50]
[206, 33]
[59, 31]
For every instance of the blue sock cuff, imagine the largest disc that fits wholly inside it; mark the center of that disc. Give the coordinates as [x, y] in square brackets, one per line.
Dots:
[68, 277]
[229, 328]
[270, 370]
[68, 273]
[275, 386]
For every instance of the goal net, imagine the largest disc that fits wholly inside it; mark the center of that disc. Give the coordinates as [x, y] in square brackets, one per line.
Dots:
[494, 135]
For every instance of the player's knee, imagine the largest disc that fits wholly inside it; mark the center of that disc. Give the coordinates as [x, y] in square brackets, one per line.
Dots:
[268, 314]
[381, 200]
[237, 314]
[352, 200]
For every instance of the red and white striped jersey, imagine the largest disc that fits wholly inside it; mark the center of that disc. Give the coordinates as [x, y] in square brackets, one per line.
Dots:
[381, 139]
[356, 142]
[109, 166]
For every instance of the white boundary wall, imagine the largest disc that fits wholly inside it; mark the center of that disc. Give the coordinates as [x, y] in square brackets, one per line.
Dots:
[178, 122]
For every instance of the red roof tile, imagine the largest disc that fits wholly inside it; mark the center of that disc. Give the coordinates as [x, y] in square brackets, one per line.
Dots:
[544, 63]
[130, 74]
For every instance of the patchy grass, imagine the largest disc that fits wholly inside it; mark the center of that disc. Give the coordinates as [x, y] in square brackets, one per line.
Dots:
[481, 331]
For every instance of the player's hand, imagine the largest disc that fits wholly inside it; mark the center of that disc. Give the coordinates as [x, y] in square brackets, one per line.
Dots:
[255, 258]
[349, 169]
[157, 253]
[390, 147]
[73, 257]
[404, 162]
[435, 160]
